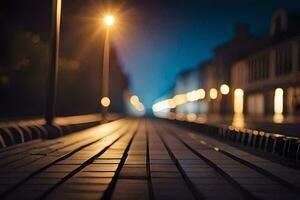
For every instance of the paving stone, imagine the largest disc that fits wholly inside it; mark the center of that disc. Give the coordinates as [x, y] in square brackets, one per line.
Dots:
[87, 180]
[133, 172]
[169, 181]
[131, 189]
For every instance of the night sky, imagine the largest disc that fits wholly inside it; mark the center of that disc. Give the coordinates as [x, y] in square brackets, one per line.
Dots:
[178, 35]
[155, 39]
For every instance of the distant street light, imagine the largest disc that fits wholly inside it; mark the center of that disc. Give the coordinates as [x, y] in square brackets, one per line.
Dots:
[105, 101]
[54, 58]
[224, 89]
[109, 20]
[213, 93]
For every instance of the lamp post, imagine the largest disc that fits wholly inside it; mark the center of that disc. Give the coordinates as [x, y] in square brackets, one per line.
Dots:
[54, 58]
[109, 20]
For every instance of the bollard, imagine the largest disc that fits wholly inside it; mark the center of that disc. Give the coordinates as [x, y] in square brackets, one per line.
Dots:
[261, 140]
[298, 151]
[17, 134]
[290, 147]
[255, 139]
[2, 142]
[250, 137]
[278, 143]
[26, 133]
[234, 134]
[229, 132]
[239, 136]
[246, 136]
[36, 133]
[7, 136]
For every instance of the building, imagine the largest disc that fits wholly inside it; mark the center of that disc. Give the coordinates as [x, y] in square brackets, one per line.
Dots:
[248, 74]
[270, 76]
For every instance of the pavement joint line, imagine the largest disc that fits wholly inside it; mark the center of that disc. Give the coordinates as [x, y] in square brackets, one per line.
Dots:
[82, 166]
[267, 174]
[76, 142]
[110, 189]
[149, 177]
[19, 184]
[234, 183]
[260, 170]
[196, 194]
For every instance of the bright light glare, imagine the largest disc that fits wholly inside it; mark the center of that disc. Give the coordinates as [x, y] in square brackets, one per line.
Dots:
[109, 20]
[134, 100]
[162, 105]
[238, 104]
[238, 120]
[201, 93]
[224, 89]
[213, 93]
[105, 101]
[191, 117]
[195, 95]
[278, 101]
[180, 99]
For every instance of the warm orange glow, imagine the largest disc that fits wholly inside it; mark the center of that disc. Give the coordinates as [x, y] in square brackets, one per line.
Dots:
[105, 101]
[161, 105]
[191, 117]
[171, 103]
[195, 95]
[224, 89]
[213, 93]
[238, 120]
[201, 93]
[134, 100]
[180, 116]
[180, 99]
[140, 107]
[238, 101]
[192, 96]
[109, 20]
[278, 101]
[278, 118]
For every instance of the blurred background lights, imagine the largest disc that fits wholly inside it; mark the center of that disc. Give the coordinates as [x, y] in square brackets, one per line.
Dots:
[105, 101]
[224, 89]
[213, 93]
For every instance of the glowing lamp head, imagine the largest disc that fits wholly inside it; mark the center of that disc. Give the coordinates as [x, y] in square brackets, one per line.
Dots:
[105, 101]
[109, 20]
[213, 93]
[224, 89]
[134, 100]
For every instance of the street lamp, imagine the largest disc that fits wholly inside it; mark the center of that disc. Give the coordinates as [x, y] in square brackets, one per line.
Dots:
[54, 58]
[109, 21]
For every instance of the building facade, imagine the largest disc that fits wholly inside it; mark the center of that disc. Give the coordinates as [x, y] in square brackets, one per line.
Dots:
[259, 75]
[270, 77]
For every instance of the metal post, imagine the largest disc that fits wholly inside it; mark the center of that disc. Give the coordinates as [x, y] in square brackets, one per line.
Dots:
[54, 58]
[105, 72]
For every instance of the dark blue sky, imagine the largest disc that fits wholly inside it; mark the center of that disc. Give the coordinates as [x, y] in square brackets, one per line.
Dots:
[166, 37]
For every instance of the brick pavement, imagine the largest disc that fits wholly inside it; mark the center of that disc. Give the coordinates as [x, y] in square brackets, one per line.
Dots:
[140, 159]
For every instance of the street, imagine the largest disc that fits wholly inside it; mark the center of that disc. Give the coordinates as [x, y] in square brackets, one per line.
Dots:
[140, 159]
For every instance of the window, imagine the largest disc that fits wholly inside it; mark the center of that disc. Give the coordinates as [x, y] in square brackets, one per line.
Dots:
[283, 60]
[258, 68]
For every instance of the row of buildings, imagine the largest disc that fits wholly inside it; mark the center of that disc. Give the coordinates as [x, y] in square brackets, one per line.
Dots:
[247, 74]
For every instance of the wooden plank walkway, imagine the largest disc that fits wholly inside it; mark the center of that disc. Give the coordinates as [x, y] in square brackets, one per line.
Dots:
[140, 159]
